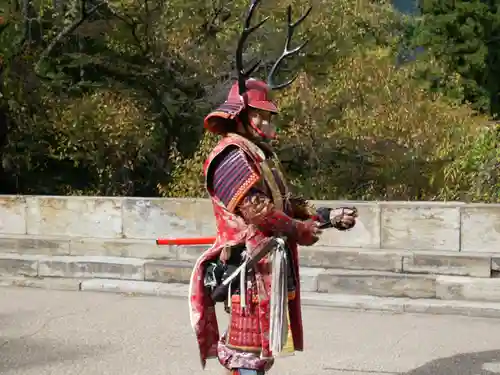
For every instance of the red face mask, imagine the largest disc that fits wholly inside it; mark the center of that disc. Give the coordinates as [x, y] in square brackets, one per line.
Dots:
[261, 123]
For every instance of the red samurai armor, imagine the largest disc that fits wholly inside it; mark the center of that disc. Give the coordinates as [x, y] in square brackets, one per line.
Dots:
[253, 265]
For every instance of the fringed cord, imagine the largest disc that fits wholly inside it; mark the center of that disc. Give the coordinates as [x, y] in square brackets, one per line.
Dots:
[279, 299]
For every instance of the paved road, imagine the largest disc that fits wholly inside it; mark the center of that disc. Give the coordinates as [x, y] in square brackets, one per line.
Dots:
[76, 333]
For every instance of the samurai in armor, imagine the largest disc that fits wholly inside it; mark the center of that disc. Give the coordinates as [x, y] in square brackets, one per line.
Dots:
[253, 266]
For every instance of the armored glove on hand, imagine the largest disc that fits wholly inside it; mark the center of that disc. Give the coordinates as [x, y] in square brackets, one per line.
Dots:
[343, 218]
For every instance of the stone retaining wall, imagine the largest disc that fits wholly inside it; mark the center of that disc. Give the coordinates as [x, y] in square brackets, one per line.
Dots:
[382, 225]
[75, 272]
[399, 249]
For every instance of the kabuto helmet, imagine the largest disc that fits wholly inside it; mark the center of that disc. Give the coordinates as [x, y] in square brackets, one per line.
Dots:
[249, 92]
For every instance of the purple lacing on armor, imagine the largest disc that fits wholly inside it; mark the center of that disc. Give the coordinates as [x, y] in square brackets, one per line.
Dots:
[231, 108]
[231, 172]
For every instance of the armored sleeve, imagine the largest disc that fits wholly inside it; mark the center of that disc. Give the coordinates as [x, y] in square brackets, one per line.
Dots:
[301, 209]
[258, 209]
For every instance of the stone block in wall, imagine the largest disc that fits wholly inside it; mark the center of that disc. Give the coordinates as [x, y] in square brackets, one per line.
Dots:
[190, 253]
[146, 249]
[420, 226]
[327, 257]
[447, 264]
[168, 271]
[365, 234]
[480, 228]
[154, 218]
[18, 265]
[92, 267]
[204, 212]
[12, 215]
[382, 284]
[95, 217]
[309, 279]
[34, 245]
[468, 288]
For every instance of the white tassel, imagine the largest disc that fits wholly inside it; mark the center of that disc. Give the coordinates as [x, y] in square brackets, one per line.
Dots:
[279, 299]
[243, 290]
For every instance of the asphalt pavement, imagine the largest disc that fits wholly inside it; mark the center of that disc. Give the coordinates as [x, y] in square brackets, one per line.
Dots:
[48, 332]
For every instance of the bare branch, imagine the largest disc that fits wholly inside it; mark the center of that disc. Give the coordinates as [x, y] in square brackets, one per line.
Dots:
[84, 15]
[211, 27]
[133, 24]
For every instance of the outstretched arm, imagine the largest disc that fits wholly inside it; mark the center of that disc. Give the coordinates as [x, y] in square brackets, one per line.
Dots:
[258, 209]
[342, 218]
[234, 181]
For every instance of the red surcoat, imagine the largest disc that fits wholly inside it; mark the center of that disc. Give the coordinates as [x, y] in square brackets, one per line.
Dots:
[232, 229]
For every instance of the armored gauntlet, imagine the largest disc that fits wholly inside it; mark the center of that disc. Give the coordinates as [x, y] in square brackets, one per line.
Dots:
[259, 210]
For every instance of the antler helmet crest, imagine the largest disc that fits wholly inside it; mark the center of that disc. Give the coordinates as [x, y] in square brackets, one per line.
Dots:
[250, 92]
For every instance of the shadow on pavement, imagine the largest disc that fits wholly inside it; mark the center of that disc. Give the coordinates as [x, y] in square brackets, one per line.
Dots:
[31, 352]
[476, 363]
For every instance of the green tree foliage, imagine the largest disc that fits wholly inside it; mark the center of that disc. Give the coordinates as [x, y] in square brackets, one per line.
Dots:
[107, 97]
[97, 101]
[465, 36]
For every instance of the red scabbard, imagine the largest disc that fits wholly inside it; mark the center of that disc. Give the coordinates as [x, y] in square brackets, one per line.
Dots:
[186, 241]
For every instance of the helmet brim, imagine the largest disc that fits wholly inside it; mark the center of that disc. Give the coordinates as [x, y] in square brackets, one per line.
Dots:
[265, 106]
[226, 111]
